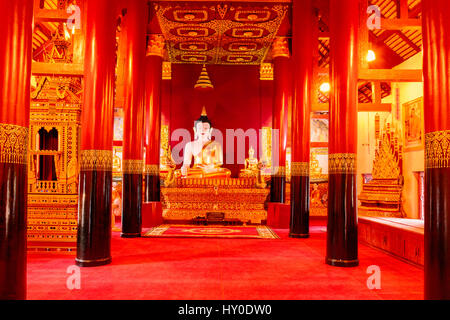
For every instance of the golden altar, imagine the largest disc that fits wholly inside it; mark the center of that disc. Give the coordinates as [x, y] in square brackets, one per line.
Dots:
[237, 198]
[382, 196]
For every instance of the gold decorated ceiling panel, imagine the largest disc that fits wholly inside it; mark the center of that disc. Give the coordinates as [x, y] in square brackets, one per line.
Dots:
[224, 33]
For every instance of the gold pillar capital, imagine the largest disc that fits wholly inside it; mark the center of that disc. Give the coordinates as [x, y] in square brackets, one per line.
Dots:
[13, 143]
[96, 160]
[300, 169]
[131, 166]
[437, 149]
[280, 48]
[342, 163]
[155, 45]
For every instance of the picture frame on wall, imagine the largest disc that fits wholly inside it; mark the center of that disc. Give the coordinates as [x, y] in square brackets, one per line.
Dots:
[413, 125]
[319, 130]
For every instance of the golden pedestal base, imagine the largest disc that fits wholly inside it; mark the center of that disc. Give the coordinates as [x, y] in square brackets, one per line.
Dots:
[237, 198]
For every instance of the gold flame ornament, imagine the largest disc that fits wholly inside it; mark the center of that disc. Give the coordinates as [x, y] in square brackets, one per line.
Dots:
[203, 81]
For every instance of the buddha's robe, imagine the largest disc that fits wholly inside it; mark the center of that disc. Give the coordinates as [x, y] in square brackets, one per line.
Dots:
[207, 163]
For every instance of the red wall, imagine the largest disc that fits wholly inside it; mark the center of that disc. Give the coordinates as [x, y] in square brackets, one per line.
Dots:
[239, 100]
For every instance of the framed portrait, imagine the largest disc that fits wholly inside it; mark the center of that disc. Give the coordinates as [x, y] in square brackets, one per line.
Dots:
[319, 130]
[413, 125]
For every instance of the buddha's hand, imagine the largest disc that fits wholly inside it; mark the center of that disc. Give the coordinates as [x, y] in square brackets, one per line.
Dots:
[209, 168]
[184, 170]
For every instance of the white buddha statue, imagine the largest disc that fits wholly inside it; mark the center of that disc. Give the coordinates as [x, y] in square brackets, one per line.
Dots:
[207, 154]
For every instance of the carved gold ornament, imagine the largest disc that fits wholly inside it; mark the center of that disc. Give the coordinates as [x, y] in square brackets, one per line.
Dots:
[156, 45]
[387, 159]
[237, 198]
[218, 26]
[96, 160]
[342, 163]
[266, 71]
[13, 143]
[132, 166]
[280, 48]
[300, 169]
[166, 70]
[437, 150]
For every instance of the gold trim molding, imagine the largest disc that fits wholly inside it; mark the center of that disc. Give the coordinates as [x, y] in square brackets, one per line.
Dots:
[13, 143]
[132, 166]
[437, 150]
[300, 169]
[96, 160]
[151, 169]
[342, 163]
[279, 171]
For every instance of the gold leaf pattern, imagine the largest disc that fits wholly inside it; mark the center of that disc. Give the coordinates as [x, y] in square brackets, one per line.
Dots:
[300, 169]
[132, 166]
[437, 149]
[342, 163]
[96, 160]
[151, 169]
[13, 143]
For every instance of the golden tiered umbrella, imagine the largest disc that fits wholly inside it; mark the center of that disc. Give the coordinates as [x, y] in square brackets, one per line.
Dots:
[203, 82]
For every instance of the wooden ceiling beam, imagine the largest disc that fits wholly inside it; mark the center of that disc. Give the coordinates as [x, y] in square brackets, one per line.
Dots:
[66, 69]
[390, 75]
[362, 107]
[48, 15]
[398, 24]
[403, 9]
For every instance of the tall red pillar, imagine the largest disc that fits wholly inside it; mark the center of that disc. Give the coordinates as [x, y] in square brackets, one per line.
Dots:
[436, 69]
[302, 57]
[342, 229]
[153, 76]
[15, 73]
[281, 103]
[135, 26]
[94, 203]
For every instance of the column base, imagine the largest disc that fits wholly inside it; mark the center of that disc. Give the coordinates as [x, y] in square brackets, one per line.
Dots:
[93, 263]
[131, 205]
[94, 223]
[13, 228]
[152, 188]
[342, 226]
[296, 235]
[299, 224]
[342, 263]
[130, 235]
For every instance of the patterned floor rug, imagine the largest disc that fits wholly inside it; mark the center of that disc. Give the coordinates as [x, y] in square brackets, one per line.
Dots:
[190, 231]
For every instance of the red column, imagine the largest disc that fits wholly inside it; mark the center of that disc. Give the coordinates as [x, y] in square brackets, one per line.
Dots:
[302, 56]
[135, 26]
[94, 209]
[281, 103]
[342, 238]
[436, 69]
[15, 73]
[153, 75]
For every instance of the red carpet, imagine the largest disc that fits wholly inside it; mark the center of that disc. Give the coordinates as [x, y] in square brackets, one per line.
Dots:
[189, 231]
[199, 268]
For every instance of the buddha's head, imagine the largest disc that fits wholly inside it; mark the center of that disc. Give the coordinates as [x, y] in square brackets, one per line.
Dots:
[202, 127]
